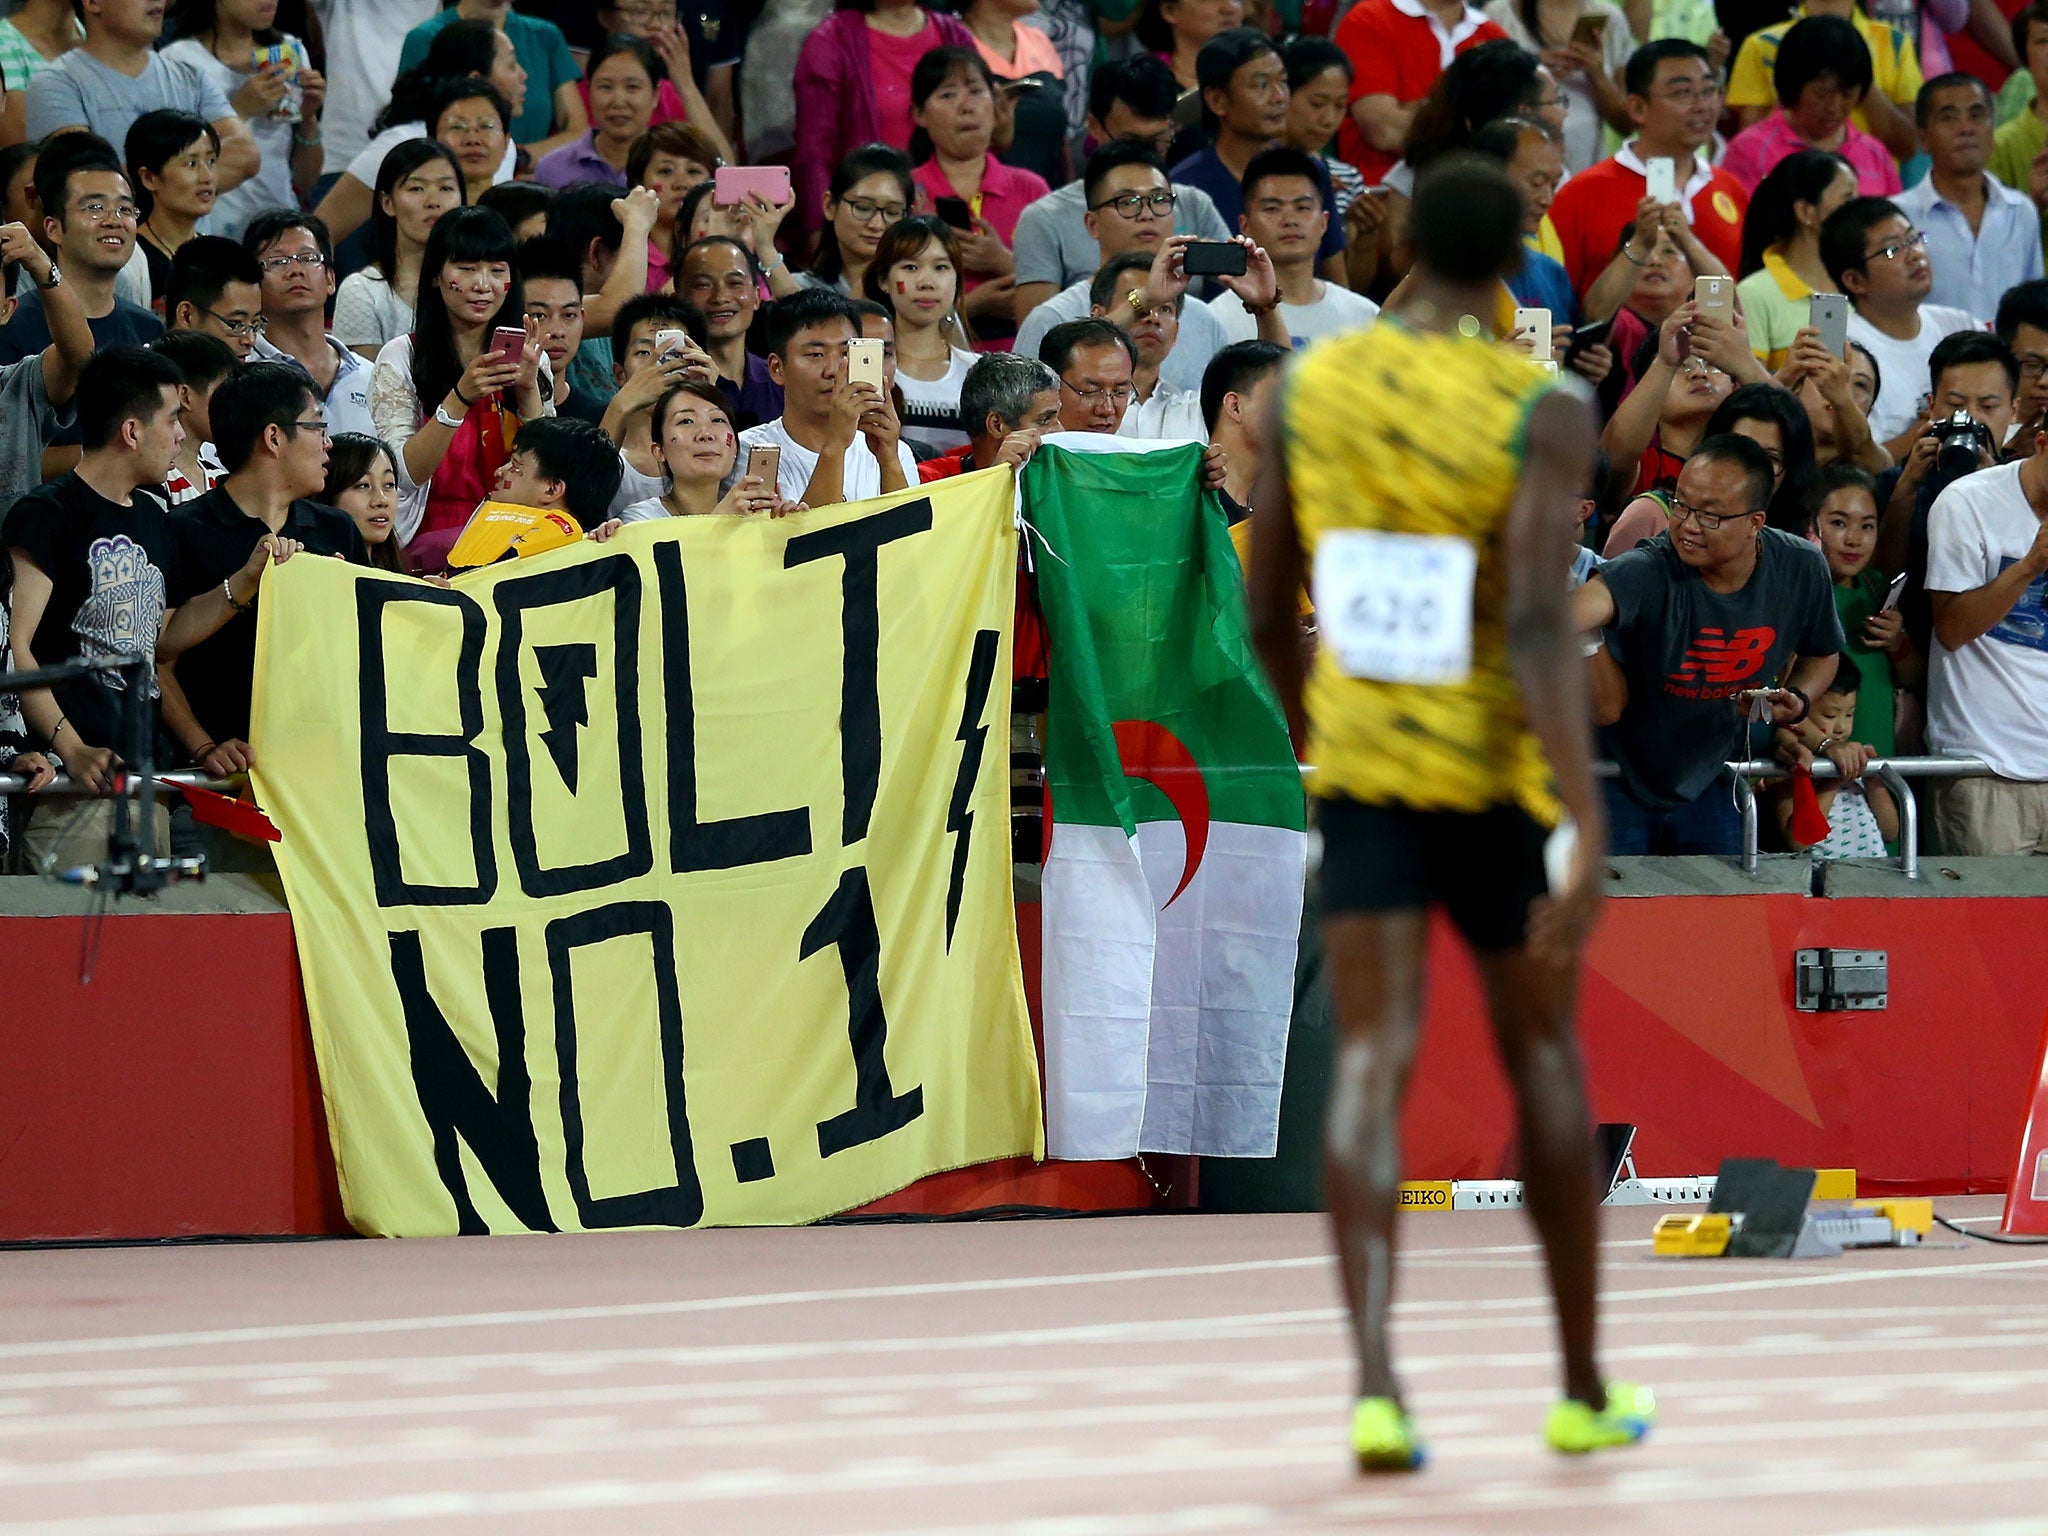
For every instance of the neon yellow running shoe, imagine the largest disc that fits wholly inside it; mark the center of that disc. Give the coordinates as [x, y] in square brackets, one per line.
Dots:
[1576, 1429]
[1383, 1437]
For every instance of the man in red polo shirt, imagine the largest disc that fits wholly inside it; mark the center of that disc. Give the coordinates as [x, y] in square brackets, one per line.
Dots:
[1397, 49]
[1673, 100]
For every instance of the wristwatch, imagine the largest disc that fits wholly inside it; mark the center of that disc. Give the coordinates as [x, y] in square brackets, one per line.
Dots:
[56, 277]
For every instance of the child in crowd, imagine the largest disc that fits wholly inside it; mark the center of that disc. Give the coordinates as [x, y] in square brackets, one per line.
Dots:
[204, 359]
[1845, 526]
[1861, 814]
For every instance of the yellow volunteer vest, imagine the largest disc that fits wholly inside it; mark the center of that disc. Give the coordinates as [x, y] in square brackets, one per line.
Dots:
[1407, 431]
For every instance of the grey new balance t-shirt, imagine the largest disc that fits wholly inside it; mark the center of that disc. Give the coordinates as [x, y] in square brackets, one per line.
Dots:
[1687, 651]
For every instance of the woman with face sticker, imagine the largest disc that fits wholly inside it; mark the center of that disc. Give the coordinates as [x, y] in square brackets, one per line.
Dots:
[449, 398]
[695, 444]
[916, 274]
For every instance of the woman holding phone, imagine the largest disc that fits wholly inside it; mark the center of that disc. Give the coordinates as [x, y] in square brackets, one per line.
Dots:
[698, 449]
[1781, 265]
[420, 181]
[953, 101]
[916, 274]
[1585, 44]
[449, 397]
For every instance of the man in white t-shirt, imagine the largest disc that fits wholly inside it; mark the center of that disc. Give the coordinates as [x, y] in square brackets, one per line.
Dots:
[1285, 216]
[1876, 256]
[1987, 686]
[840, 441]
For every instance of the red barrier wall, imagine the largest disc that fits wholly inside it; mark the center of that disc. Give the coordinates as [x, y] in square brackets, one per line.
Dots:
[1689, 1032]
[175, 1094]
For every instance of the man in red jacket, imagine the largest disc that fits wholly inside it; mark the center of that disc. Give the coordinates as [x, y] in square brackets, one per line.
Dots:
[1397, 49]
[1673, 100]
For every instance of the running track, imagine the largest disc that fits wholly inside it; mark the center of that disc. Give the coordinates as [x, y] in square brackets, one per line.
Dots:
[1125, 1377]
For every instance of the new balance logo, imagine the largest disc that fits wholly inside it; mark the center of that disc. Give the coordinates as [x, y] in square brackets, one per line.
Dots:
[1717, 659]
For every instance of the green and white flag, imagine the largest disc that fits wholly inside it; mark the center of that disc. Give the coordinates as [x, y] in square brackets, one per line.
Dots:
[1173, 881]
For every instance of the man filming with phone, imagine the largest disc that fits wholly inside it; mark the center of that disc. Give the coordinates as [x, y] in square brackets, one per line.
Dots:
[838, 433]
[1708, 615]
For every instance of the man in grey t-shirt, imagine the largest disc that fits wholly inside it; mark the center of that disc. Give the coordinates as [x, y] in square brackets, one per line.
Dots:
[1708, 617]
[116, 75]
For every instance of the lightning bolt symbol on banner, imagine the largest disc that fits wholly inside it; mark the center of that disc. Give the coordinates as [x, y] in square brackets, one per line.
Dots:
[564, 669]
[973, 738]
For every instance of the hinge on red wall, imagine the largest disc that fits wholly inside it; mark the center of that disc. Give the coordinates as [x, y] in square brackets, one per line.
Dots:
[1839, 980]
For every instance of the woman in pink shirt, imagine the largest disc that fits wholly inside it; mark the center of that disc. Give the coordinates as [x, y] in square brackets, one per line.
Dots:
[852, 86]
[953, 101]
[1822, 73]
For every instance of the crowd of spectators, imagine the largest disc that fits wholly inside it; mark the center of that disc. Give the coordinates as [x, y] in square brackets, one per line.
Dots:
[290, 277]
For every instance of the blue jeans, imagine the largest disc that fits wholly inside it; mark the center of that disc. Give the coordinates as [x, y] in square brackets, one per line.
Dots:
[1707, 824]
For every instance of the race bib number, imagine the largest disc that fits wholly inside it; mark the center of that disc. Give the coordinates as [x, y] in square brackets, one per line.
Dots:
[1396, 607]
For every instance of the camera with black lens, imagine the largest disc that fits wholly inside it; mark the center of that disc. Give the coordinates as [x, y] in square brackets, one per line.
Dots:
[1960, 439]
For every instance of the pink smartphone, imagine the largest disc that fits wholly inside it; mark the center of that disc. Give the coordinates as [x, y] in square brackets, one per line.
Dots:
[732, 185]
[511, 340]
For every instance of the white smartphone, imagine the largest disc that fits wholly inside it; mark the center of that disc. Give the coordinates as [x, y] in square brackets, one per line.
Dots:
[1828, 313]
[1535, 327]
[1715, 297]
[666, 342]
[1897, 591]
[1662, 178]
[864, 361]
[764, 461]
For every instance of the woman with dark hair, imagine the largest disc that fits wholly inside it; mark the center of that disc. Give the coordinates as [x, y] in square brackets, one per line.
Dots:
[1481, 84]
[172, 169]
[472, 117]
[447, 401]
[670, 159]
[1770, 415]
[1781, 266]
[1821, 75]
[420, 181]
[697, 449]
[852, 87]
[916, 274]
[953, 100]
[1318, 96]
[459, 50]
[1026, 63]
[281, 102]
[871, 190]
[623, 76]
[1589, 77]
[1177, 29]
[362, 480]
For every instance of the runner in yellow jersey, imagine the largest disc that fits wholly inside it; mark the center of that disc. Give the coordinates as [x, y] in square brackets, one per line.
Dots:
[1429, 479]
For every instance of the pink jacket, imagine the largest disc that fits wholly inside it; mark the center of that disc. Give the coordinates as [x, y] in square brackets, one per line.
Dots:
[835, 101]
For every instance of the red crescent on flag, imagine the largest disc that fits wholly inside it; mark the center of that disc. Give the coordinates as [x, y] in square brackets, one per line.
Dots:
[1149, 751]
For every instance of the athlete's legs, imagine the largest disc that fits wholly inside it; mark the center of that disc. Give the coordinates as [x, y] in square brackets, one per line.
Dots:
[1532, 1005]
[1376, 977]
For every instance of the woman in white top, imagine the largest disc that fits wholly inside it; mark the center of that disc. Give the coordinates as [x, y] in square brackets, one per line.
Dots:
[222, 40]
[460, 49]
[420, 180]
[916, 275]
[448, 398]
[1589, 76]
[697, 450]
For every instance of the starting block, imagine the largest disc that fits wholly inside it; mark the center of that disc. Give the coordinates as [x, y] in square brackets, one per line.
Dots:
[1762, 1211]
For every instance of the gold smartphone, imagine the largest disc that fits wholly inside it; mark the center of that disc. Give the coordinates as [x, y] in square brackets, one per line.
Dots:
[864, 361]
[764, 462]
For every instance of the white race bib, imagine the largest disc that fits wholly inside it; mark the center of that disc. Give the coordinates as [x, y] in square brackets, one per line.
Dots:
[1396, 607]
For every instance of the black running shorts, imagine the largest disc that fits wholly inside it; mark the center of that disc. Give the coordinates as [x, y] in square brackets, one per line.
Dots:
[1483, 867]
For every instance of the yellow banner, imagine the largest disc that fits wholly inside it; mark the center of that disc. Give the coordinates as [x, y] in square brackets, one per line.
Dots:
[660, 882]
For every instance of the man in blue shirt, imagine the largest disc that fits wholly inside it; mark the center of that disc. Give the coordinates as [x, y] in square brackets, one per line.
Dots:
[1982, 237]
[1532, 151]
[1244, 100]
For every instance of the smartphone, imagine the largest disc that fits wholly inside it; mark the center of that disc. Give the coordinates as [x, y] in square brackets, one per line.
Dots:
[764, 461]
[1536, 322]
[1587, 337]
[954, 211]
[732, 185]
[1662, 180]
[666, 342]
[510, 340]
[1213, 258]
[1715, 297]
[1896, 591]
[1591, 32]
[864, 361]
[1828, 313]
[1019, 87]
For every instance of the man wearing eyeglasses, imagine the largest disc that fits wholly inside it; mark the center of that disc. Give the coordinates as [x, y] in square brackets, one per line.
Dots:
[1708, 617]
[2022, 324]
[215, 286]
[272, 438]
[1674, 100]
[1876, 256]
[297, 263]
[89, 215]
